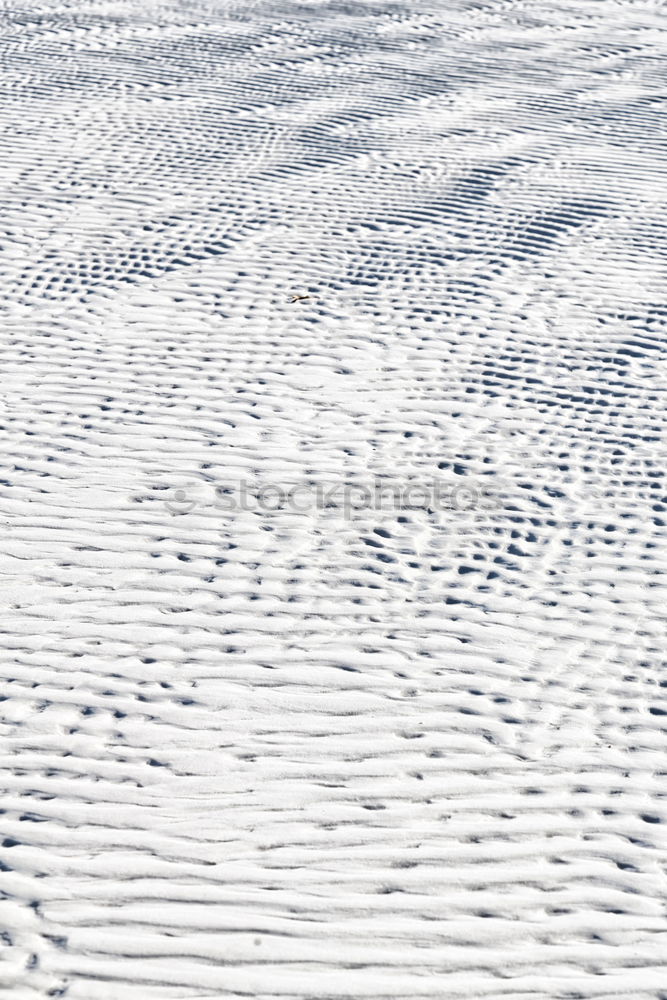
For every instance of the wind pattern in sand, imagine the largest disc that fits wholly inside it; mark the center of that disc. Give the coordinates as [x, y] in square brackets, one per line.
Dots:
[264, 736]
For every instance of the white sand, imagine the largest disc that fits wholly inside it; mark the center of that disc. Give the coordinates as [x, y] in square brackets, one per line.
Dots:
[330, 752]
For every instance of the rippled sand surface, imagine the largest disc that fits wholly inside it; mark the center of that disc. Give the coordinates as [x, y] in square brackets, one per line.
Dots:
[333, 574]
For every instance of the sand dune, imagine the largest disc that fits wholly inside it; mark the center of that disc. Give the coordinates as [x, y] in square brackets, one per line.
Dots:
[333, 410]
